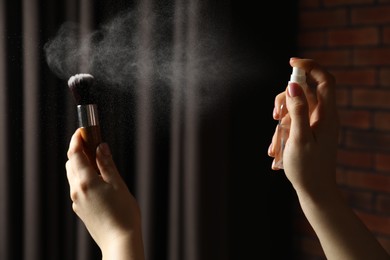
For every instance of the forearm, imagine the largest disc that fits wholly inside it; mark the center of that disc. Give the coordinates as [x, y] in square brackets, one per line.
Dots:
[341, 233]
[129, 247]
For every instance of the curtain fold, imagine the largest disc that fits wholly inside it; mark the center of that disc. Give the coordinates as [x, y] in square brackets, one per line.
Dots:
[31, 157]
[176, 133]
[144, 190]
[4, 180]
[183, 221]
[190, 156]
[85, 11]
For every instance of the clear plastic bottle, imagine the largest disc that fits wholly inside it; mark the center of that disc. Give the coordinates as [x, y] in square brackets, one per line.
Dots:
[283, 129]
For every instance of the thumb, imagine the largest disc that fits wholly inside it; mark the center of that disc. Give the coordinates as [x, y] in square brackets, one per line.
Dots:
[298, 109]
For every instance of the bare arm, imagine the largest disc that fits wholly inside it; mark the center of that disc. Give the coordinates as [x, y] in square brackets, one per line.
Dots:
[104, 203]
[341, 233]
[310, 165]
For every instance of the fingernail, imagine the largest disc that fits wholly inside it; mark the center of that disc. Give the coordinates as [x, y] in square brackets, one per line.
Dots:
[294, 90]
[105, 149]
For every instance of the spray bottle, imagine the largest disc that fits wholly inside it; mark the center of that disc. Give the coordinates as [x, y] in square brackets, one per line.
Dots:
[283, 129]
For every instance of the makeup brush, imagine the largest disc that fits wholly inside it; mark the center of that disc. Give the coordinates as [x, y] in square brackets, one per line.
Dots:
[80, 86]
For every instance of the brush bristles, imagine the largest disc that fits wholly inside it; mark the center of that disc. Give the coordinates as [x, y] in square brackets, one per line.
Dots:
[79, 85]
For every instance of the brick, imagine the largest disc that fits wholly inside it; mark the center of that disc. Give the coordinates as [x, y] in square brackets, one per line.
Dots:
[372, 56]
[382, 121]
[342, 138]
[323, 18]
[371, 98]
[382, 162]
[362, 200]
[340, 176]
[312, 39]
[355, 76]
[368, 141]
[384, 77]
[331, 3]
[355, 159]
[386, 35]
[376, 14]
[336, 58]
[353, 37]
[368, 181]
[375, 223]
[382, 204]
[342, 96]
[355, 118]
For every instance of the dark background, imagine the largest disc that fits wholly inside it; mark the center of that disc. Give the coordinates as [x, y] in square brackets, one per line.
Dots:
[254, 203]
[261, 199]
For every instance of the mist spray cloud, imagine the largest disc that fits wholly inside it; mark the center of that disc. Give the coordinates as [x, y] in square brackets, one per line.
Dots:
[112, 53]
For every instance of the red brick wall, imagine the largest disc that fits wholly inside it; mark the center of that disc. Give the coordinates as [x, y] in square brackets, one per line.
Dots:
[351, 38]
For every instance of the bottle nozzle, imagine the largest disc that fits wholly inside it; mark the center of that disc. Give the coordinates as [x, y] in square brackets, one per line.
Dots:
[298, 75]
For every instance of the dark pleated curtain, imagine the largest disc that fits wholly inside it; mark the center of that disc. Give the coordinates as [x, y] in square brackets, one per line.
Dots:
[188, 129]
[4, 190]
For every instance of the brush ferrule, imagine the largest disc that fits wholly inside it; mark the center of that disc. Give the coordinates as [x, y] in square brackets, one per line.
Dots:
[87, 115]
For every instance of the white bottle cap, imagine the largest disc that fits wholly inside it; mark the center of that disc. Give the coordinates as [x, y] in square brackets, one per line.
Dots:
[298, 75]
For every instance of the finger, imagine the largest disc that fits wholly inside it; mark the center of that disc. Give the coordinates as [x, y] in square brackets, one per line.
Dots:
[275, 145]
[69, 173]
[298, 110]
[324, 80]
[326, 111]
[106, 164]
[279, 104]
[79, 164]
[74, 147]
[71, 180]
[310, 67]
[76, 144]
[274, 166]
[326, 95]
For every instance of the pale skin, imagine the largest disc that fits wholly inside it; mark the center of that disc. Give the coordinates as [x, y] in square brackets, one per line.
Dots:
[103, 202]
[309, 162]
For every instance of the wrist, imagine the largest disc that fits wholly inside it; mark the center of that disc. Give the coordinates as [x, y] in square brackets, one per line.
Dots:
[326, 195]
[128, 246]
